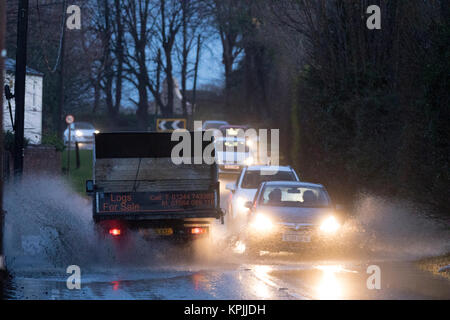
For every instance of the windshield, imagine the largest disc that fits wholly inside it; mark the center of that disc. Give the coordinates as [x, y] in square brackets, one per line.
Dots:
[233, 131]
[232, 146]
[292, 196]
[83, 125]
[253, 178]
[213, 125]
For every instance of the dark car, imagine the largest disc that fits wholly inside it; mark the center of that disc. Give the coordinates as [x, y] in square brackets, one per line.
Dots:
[286, 214]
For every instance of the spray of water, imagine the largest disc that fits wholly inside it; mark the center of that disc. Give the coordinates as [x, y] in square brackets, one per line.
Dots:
[396, 229]
[378, 228]
[49, 226]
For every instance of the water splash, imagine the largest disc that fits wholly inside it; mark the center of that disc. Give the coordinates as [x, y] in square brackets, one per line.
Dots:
[49, 226]
[397, 229]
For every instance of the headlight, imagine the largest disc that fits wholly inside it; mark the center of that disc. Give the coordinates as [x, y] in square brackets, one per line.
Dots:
[262, 223]
[248, 161]
[96, 131]
[78, 133]
[330, 225]
[240, 204]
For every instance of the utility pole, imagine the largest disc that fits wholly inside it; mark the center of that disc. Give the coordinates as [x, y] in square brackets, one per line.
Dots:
[19, 91]
[2, 70]
[61, 77]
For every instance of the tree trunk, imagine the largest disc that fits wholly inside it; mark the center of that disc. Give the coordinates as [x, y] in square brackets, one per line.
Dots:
[194, 89]
[96, 95]
[184, 64]
[119, 57]
[142, 111]
[169, 82]
[228, 83]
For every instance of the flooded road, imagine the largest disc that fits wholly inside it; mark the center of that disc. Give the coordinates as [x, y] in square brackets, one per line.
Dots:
[38, 258]
[271, 280]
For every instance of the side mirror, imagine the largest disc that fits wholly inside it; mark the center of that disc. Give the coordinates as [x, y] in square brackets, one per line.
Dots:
[248, 204]
[89, 186]
[231, 187]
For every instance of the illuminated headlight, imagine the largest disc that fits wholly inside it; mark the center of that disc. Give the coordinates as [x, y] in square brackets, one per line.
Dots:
[240, 203]
[262, 223]
[78, 133]
[330, 225]
[96, 131]
[248, 161]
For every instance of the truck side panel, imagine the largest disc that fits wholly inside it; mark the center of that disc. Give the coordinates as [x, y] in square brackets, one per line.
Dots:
[135, 174]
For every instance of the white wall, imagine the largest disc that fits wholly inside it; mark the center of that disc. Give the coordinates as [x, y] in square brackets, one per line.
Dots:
[33, 107]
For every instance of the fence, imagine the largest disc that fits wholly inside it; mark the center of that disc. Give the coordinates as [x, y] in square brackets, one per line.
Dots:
[37, 160]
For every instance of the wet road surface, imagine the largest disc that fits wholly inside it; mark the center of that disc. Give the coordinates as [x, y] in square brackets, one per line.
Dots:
[266, 279]
[228, 274]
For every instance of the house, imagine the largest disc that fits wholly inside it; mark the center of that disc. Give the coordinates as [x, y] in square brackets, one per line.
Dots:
[177, 99]
[33, 102]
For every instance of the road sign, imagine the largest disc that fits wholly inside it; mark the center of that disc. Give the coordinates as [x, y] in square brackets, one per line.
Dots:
[169, 125]
[70, 119]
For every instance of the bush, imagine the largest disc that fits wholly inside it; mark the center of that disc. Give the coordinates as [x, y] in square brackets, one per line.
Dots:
[8, 140]
[53, 140]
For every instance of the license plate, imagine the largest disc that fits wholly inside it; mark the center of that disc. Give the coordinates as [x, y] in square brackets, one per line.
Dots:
[229, 166]
[296, 237]
[164, 231]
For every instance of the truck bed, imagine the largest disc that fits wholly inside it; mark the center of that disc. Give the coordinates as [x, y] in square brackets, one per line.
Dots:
[135, 179]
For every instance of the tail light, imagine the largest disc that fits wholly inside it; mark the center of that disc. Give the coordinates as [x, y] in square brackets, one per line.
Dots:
[199, 230]
[115, 232]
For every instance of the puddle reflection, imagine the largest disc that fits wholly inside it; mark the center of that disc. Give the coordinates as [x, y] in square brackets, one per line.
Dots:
[330, 286]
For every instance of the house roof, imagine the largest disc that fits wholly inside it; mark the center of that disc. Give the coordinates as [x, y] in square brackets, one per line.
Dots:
[10, 66]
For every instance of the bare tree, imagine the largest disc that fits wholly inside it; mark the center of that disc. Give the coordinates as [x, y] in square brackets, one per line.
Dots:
[119, 33]
[139, 25]
[169, 24]
[230, 17]
[193, 24]
[111, 33]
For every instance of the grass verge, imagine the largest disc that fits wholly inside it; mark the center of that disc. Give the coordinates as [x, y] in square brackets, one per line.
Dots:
[78, 177]
[435, 263]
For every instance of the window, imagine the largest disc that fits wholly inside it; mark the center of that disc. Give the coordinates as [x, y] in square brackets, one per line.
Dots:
[213, 125]
[293, 196]
[253, 178]
[83, 125]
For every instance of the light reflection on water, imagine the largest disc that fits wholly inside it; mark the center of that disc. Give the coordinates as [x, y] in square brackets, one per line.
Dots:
[262, 287]
[330, 286]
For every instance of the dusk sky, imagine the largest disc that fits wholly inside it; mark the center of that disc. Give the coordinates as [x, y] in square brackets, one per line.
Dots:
[210, 70]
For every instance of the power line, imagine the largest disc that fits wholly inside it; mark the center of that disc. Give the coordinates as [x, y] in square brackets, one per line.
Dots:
[52, 70]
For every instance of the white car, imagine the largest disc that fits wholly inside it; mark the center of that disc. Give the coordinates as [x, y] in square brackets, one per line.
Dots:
[81, 132]
[232, 154]
[245, 187]
[213, 124]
